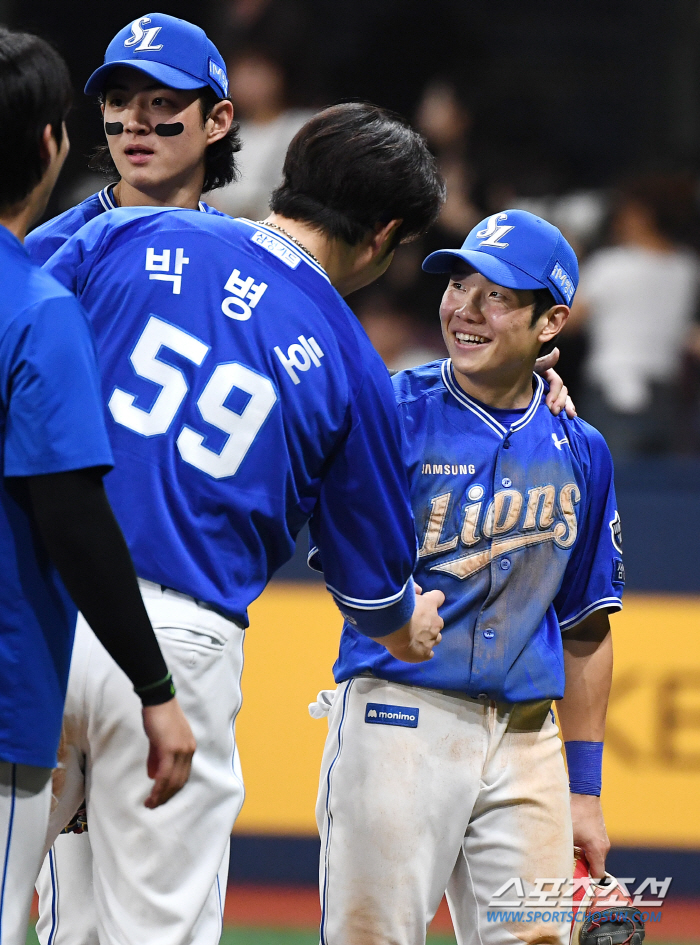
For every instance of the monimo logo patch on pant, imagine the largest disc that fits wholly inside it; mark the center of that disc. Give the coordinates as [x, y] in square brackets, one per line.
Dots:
[391, 715]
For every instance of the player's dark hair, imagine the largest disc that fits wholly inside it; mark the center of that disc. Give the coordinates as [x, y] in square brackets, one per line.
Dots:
[354, 166]
[220, 166]
[35, 91]
[543, 301]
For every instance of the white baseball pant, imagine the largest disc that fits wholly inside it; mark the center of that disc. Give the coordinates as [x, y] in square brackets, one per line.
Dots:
[474, 796]
[25, 798]
[158, 876]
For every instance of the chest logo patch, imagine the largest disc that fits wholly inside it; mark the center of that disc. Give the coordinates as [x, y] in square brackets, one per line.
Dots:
[378, 714]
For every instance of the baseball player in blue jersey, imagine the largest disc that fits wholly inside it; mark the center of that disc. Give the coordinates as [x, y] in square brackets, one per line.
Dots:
[58, 533]
[243, 399]
[447, 776]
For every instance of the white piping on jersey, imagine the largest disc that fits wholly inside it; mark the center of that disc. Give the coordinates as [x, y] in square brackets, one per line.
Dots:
[453, 387]
[288, 243]
[106, 198]
[359, 604]
[107, 201]
[611, 602]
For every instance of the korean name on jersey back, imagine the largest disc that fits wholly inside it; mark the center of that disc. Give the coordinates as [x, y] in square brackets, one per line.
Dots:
[518, 529]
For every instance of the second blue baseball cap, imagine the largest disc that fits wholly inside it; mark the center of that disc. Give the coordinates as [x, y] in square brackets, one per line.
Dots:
[517, 250]
[172, 51]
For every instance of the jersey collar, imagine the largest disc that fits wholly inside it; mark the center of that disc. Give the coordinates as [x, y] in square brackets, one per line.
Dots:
[450, 381]
[106, 198]
[288, 243]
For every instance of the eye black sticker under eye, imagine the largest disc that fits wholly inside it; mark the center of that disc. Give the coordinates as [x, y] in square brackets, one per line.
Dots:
[164, 130]
[169, 131]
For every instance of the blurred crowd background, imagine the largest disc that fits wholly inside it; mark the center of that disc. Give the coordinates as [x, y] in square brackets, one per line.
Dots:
[587, 113]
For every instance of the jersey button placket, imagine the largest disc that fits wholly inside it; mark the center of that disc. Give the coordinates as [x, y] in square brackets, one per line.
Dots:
[498, 569]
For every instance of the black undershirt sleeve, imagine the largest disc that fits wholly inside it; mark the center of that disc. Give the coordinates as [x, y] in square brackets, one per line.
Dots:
[85, 543]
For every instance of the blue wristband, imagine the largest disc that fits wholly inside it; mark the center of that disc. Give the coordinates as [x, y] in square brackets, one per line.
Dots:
[585, 763]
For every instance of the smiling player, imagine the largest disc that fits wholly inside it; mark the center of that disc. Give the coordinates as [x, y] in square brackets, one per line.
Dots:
[448, 775]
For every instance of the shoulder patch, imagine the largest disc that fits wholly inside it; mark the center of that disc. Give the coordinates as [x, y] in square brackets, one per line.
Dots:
[276, 247]
[379, 714]
[616, 532]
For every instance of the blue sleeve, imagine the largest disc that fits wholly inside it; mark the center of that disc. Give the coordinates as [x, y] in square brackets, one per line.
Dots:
[42, 243]
[594, 578]
[71, 263]
[362, 527]
[51, 387]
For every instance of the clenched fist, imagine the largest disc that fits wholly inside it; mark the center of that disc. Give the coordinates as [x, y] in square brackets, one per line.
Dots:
[414, 642]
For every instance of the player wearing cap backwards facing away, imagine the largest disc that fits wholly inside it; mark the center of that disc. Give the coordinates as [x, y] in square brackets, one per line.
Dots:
[55, 516]
[448, 775]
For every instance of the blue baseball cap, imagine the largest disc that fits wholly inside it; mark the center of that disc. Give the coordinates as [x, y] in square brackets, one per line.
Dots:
[517, 250]
[172, 51]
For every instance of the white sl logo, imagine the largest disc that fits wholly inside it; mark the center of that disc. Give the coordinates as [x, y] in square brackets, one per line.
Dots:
[493, 232]
[143, 37]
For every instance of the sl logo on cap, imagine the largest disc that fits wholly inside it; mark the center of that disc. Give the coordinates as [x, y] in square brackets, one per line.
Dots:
[144, 37]
[493, 232]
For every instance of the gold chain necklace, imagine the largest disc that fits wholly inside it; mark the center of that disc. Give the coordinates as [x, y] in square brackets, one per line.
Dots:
[289, 237]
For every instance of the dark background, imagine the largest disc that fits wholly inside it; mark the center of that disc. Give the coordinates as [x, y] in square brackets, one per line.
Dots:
[564, 95]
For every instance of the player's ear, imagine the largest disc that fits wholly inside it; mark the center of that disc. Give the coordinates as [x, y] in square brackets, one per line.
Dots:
[554, 320]
[48, 146]
[384, 239]
[219, 121]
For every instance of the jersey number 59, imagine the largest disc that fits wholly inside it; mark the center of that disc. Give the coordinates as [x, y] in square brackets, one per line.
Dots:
[242, 428]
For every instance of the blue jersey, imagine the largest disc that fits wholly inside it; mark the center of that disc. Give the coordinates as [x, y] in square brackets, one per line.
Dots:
[43, 241]
[51, 421]
[517, 525]
[243, 399]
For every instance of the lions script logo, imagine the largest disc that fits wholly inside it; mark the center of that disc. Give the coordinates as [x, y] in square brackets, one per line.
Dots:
[544, 514]
[379, 714]
[143, 37]
[493, 232]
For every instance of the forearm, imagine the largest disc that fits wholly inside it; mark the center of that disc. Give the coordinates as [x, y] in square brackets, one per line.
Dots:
[86, 544]
[588, 664]
[588, 667]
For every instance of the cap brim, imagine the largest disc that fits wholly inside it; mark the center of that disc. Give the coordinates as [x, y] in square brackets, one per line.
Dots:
[494, 268]
[173, 78]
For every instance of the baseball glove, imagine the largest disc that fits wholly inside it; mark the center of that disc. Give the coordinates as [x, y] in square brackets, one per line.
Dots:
[603, 913]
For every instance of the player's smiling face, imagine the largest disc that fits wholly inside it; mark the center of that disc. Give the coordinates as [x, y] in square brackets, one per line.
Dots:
[490, 338]
[144, 159]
